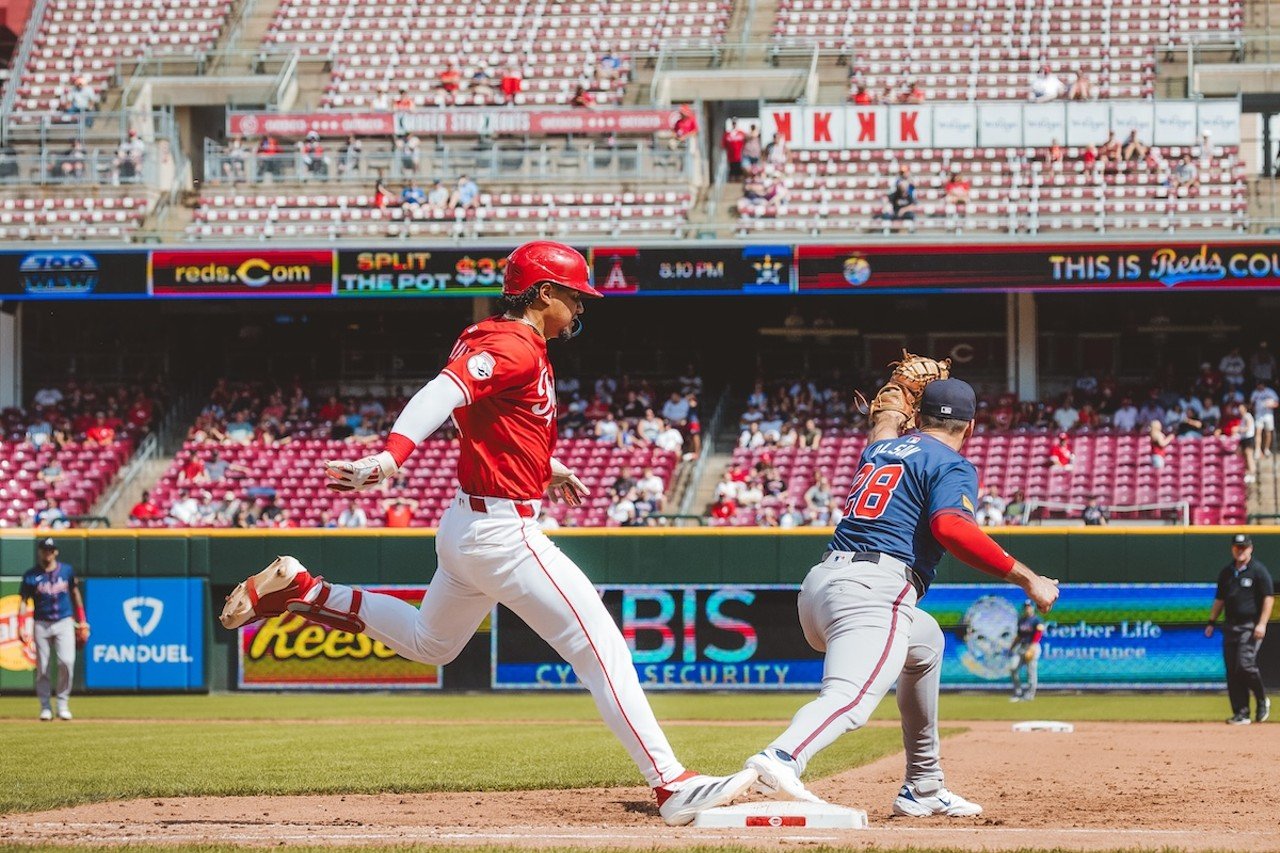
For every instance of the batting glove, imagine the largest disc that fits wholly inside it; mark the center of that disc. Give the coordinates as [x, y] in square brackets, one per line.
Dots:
[361, 474]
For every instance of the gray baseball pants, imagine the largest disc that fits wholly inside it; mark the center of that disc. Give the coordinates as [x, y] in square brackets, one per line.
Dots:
[60, 638]
[860, 610]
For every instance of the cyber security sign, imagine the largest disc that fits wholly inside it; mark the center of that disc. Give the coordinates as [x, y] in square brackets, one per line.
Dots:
[694, 637]
[148, 633]
[1132, 636]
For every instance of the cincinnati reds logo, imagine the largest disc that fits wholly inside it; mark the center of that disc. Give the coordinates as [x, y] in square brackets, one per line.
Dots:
[547, 390]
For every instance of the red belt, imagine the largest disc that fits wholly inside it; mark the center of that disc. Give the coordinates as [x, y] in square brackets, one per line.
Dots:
[523, 510]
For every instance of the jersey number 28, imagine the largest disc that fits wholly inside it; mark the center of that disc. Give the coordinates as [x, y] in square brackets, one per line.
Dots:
[872, 490]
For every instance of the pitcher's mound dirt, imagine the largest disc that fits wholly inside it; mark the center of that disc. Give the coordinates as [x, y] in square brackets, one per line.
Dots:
[1105, 786]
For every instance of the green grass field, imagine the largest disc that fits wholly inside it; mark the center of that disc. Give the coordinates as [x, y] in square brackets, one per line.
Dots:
[122, 747]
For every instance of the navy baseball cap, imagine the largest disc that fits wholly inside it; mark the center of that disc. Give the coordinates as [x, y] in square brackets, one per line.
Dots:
[1241, 540]
[949, 398]
[47, 544]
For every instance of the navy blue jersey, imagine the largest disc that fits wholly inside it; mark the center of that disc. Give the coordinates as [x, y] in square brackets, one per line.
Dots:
[902, 483]
[51, 591]
[1027, 628]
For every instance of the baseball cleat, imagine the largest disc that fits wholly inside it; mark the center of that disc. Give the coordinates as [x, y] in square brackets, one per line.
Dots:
[778, 777]
[680, 801]
[1264, 711]
[912, 802]
[267, 593]
[65, 714]
[1240, 719]
[46, 714]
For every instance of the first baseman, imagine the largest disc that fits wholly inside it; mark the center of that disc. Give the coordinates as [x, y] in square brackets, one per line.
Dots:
[499, 388]
[913, 496]
[1026, 653]
[59, 624]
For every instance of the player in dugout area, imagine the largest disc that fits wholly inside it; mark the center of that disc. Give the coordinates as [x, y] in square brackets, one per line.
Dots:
[1246, 595]
[1026, 653]
[911, 500]
[499, 388]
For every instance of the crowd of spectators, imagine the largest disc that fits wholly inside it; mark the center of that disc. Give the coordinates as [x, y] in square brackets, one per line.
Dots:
[482, 85]
[631, 412]
[84, 413]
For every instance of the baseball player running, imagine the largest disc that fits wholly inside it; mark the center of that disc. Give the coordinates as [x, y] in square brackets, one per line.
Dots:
[1026, 653]
[499, 388]
[912, 497]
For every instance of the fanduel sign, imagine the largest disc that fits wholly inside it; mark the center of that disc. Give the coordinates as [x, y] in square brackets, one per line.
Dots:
[148, 633]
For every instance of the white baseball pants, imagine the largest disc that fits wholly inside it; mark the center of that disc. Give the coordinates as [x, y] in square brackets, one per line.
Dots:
[863, 615]
[500, 556]
[55, 638]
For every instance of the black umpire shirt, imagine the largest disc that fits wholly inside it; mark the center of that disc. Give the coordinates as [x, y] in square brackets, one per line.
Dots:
[1242, 591]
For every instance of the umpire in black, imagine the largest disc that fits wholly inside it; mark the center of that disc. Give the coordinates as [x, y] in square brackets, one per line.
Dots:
[1246, 594]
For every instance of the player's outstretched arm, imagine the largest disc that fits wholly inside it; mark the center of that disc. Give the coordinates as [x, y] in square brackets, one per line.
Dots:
[960, 535]
[422, 415]
[894, 408]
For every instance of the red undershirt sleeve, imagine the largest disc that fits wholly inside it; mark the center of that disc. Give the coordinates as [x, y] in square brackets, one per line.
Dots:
[960, 535]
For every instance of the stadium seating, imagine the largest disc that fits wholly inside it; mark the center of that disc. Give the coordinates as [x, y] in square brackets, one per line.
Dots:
[87, 38]
[974, 50]
[507, 214]
[558, 45]
[88, 469]
[1206, 473]
[1012, 189]
[100, 215]
[295, 472]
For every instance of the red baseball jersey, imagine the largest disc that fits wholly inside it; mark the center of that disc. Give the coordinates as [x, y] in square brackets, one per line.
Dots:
[508, 422]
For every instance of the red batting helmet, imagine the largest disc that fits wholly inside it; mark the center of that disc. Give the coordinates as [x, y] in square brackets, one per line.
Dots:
[544, 260]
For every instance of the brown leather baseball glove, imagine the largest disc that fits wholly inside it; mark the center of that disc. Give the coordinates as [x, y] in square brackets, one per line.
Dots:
[907, 382]
[82, 633]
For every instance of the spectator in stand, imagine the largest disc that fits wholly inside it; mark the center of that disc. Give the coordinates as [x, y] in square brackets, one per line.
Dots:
[608, 430]
[819, 494]
[72, 165]
[1060, 453]
[382, 196]
[1151, 409]
[185, 510]
[271, 514]
[547, 521]
[1110, 149]
[351, 156]
[676, 409]
[50, 514]
[450, 82]
[403, 103]
[900, 203]
[1262, 364]
[861, 95]
[671, 439]
[81, 99]
[1159, 442]
[47, 396]
[438, 200]
[1133, 149]
[582, 97]
[1066, 417]
[751, 493]
[235, 160]
[1081, 87]
[777, 153]
[1089, 158]
[1125, 417]
[1210, 416]
[352, 515]
[192, 471]
[1053, 156]
[1014, 509]
[1046, 86]
[913, 93]
[685, 127]
[958, 189]
[752, 153]
[127, 165]
[811, 437]
[608, 67]
[733, 141]
[145, 510]
[268, 157]
[751, 437]
[225, 511]
[102, 433]
[482, 83]
[512, 82]
[382, 100]
[40, 431]
[1095, 514]
[1208, 382]
[311, 160]
[651, 487]
[791, 515]
[990, 508]
[723, 509]
[1185, 177]
[622, 510]
[1265, 401]
[409, 150]
[399, 511]
[649, 427]
[412, 198]
[1243, 430]
[768, 517]
[1189, 424]
[466, 194]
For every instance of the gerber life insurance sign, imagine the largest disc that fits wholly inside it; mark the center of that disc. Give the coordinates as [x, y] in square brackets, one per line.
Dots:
[145, 634]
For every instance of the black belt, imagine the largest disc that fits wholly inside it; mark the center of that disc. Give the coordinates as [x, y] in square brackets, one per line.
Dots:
[874, 557]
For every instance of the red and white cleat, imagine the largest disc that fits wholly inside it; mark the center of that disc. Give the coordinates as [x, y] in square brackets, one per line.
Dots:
[267, 593]
[679, 802]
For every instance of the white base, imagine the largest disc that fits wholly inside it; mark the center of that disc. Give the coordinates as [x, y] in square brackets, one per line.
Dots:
[1044, 726]
[778, 814]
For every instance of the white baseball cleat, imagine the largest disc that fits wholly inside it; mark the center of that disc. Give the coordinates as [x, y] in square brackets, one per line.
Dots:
[778, 777]
[913, 802]
[46, 714]
[267, 593]
[679, 802]
[64, 714]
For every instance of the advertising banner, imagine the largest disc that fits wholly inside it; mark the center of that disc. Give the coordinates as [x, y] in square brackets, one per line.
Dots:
[17, 660]
[1098, 635]
[707, 637]
[288, 653]
[454, 121]
[1045, 268]
[695, 637]
[73, 274]
[1000, 124]
[422, 273]
[300, 124]
[148, 633]
[239, 274]
[629, 271]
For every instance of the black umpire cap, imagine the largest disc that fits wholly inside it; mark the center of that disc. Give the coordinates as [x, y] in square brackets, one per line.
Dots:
[1241, 540]
[949, 398]
[47, 544]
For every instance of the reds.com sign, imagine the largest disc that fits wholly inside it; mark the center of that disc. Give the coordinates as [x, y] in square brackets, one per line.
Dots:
[241, 274]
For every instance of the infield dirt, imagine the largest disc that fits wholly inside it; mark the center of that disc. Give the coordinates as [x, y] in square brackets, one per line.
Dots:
[1106, 786]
